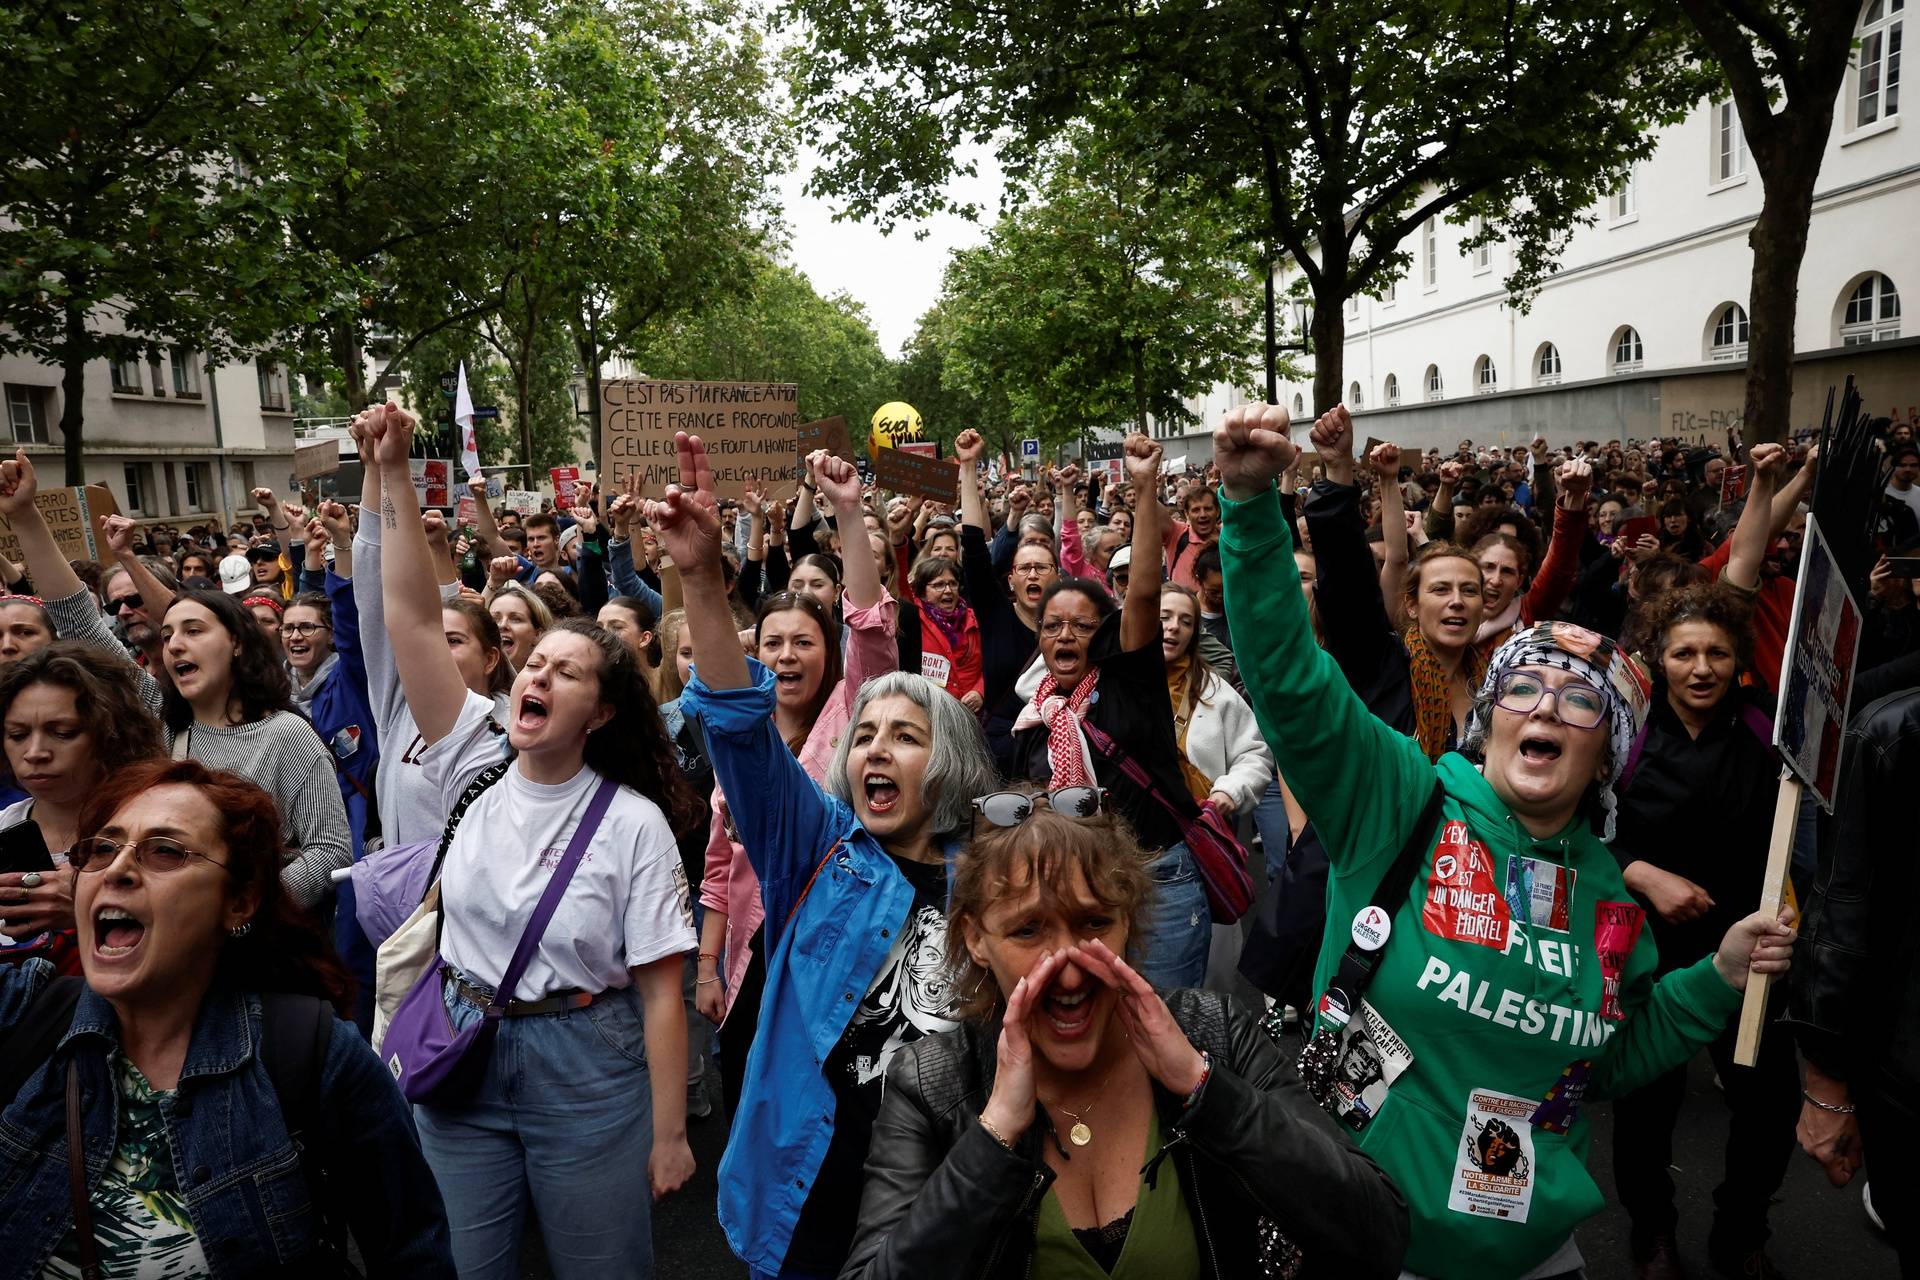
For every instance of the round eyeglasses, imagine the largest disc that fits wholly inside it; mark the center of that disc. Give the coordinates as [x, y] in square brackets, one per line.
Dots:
[1578, 704]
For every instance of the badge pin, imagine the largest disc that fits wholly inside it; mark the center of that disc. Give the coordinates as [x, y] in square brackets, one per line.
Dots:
[1372, 926]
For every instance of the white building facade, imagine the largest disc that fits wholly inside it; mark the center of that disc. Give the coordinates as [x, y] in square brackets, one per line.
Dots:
[1641, 330]
[171, 441]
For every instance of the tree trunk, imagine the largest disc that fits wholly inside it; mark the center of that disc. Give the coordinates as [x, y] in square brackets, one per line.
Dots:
[1137, 351]
[1329, 338]
[353, 370]
[73, 386]
[1779, 241]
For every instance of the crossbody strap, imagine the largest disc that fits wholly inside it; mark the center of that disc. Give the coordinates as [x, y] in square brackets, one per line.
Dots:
[1132, 768]
[807, 888]
[1357, 964]
[551, 895]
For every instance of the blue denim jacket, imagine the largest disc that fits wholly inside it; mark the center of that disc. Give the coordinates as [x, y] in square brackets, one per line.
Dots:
[238, 1169]
[817, 970]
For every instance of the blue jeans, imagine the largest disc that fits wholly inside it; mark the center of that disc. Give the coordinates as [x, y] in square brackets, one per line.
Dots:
[1171, 950]
[564, 1111]
[1270, 820]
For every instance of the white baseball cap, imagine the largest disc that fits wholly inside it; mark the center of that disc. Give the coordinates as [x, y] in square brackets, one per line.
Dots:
[236, 575]
[1122, 557]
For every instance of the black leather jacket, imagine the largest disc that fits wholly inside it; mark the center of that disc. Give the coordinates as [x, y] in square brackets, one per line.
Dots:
[943, 1198]
[1855, 996]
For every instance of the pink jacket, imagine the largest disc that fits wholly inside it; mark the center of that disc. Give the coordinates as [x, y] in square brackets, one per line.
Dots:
[729, 884]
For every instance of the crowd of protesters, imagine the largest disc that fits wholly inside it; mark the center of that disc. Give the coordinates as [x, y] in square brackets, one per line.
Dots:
[371, 879]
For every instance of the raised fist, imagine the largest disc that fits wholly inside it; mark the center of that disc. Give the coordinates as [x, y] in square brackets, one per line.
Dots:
[1251, 446]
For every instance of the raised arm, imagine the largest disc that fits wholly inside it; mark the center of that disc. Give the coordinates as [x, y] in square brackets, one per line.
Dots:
[45, 563]
[1140, 612]
[117, 532]
[1562, 561]
[411, 595]
[1748, 546]
[840, 482]
[1366, 781]
[485, 529]
[1385, 461]
[968, 448]
[687, 521]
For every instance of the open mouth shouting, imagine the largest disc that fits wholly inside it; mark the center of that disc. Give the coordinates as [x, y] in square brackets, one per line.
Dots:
[532, 713]
[117, 932]
[1539, 750]
[185, 673]
[1069, 1014]
[882, 792]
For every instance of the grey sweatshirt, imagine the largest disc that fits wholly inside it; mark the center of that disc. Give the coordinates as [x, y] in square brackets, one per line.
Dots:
[281, 753]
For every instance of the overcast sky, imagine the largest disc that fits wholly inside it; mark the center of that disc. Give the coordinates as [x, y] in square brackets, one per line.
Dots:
[896, 276]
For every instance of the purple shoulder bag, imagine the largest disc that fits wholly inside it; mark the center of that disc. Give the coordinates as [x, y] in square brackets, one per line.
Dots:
[431, 1061]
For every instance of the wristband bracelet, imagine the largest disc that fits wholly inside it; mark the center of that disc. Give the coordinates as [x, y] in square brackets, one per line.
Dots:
[1843, 1109]
[704, 982]
[1206, 1072]
[707, 955]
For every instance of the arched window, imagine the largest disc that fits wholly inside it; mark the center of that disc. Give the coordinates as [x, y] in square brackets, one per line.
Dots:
[1392, 388]
[1486, 377]
[1546, 365]
[1353, 397]
[1299, 405]
[1872, 314]
[1729, 340]
[1628, 354]
[1436, 389]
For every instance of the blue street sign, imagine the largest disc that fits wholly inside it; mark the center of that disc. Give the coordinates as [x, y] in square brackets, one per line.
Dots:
[1030, 448]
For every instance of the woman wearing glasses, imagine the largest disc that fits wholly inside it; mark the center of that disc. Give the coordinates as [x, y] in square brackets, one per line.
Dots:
[1504, 976]
[853, 878]
[816, 675]
[196, 966]
[1105, 667]
[1081, 1123]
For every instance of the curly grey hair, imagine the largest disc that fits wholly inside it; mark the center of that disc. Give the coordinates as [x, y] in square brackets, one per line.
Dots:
[959, 766]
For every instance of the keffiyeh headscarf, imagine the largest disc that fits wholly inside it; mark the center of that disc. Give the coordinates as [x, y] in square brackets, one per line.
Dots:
[1593, 658]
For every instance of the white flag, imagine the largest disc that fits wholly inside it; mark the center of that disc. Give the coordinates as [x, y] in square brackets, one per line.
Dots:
[463, 419]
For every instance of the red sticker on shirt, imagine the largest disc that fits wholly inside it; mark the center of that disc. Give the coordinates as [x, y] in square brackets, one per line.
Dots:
[1462, 902]
[1616, 929]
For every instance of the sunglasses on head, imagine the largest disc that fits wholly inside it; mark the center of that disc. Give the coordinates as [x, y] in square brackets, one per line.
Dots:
[1011, 808]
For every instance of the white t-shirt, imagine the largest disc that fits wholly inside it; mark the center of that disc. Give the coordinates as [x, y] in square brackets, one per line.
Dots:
[627, 904]
[1911, 497]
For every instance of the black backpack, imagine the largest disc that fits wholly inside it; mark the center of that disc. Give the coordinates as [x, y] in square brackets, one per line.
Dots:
[294, 1033]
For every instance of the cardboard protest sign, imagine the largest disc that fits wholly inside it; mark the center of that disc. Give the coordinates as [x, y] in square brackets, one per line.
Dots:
[750, 429]
[71, 515]
[523, 502]
[830, 434]
[311, 461]
[1823, 640]
[901, 471]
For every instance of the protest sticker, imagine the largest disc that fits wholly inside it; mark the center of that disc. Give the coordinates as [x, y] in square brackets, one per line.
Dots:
[1372, 1056]
[1616, 930]
[750, 429]
[1540, 892]
[72, 515]
[1493, 1167]
[1823, 642]
[830, 434]
[1463, 902]
[900, 471]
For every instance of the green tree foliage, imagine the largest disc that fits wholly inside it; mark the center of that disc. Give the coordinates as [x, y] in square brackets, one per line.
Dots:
[921, 378]
[1785, 61]
[777, 328]
[138, 206]
[1106, 300]
[554, 427]
[1347, 123]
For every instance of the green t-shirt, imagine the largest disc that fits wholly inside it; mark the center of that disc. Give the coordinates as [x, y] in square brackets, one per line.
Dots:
[1160, 1244]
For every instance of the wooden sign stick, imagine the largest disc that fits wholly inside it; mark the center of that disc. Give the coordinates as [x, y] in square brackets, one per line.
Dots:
[1786, 820]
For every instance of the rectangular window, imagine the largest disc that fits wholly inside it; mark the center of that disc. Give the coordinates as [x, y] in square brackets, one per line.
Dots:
[126, 375]
[1482, 256]
[273, 384]
[1730, 145]
[195, 486]
[27, 413]
[1625, 201]
[1430, 236]
[1877, 95]
[186, 378]
[131, 473]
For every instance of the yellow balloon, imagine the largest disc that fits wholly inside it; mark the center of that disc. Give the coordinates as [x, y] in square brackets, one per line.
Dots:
[895, 423]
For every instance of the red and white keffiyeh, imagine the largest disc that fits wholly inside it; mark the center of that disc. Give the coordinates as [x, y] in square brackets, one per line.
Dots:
[1067, 749]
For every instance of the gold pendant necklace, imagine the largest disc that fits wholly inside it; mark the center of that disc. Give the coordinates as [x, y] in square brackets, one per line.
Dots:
[1080, 1134]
